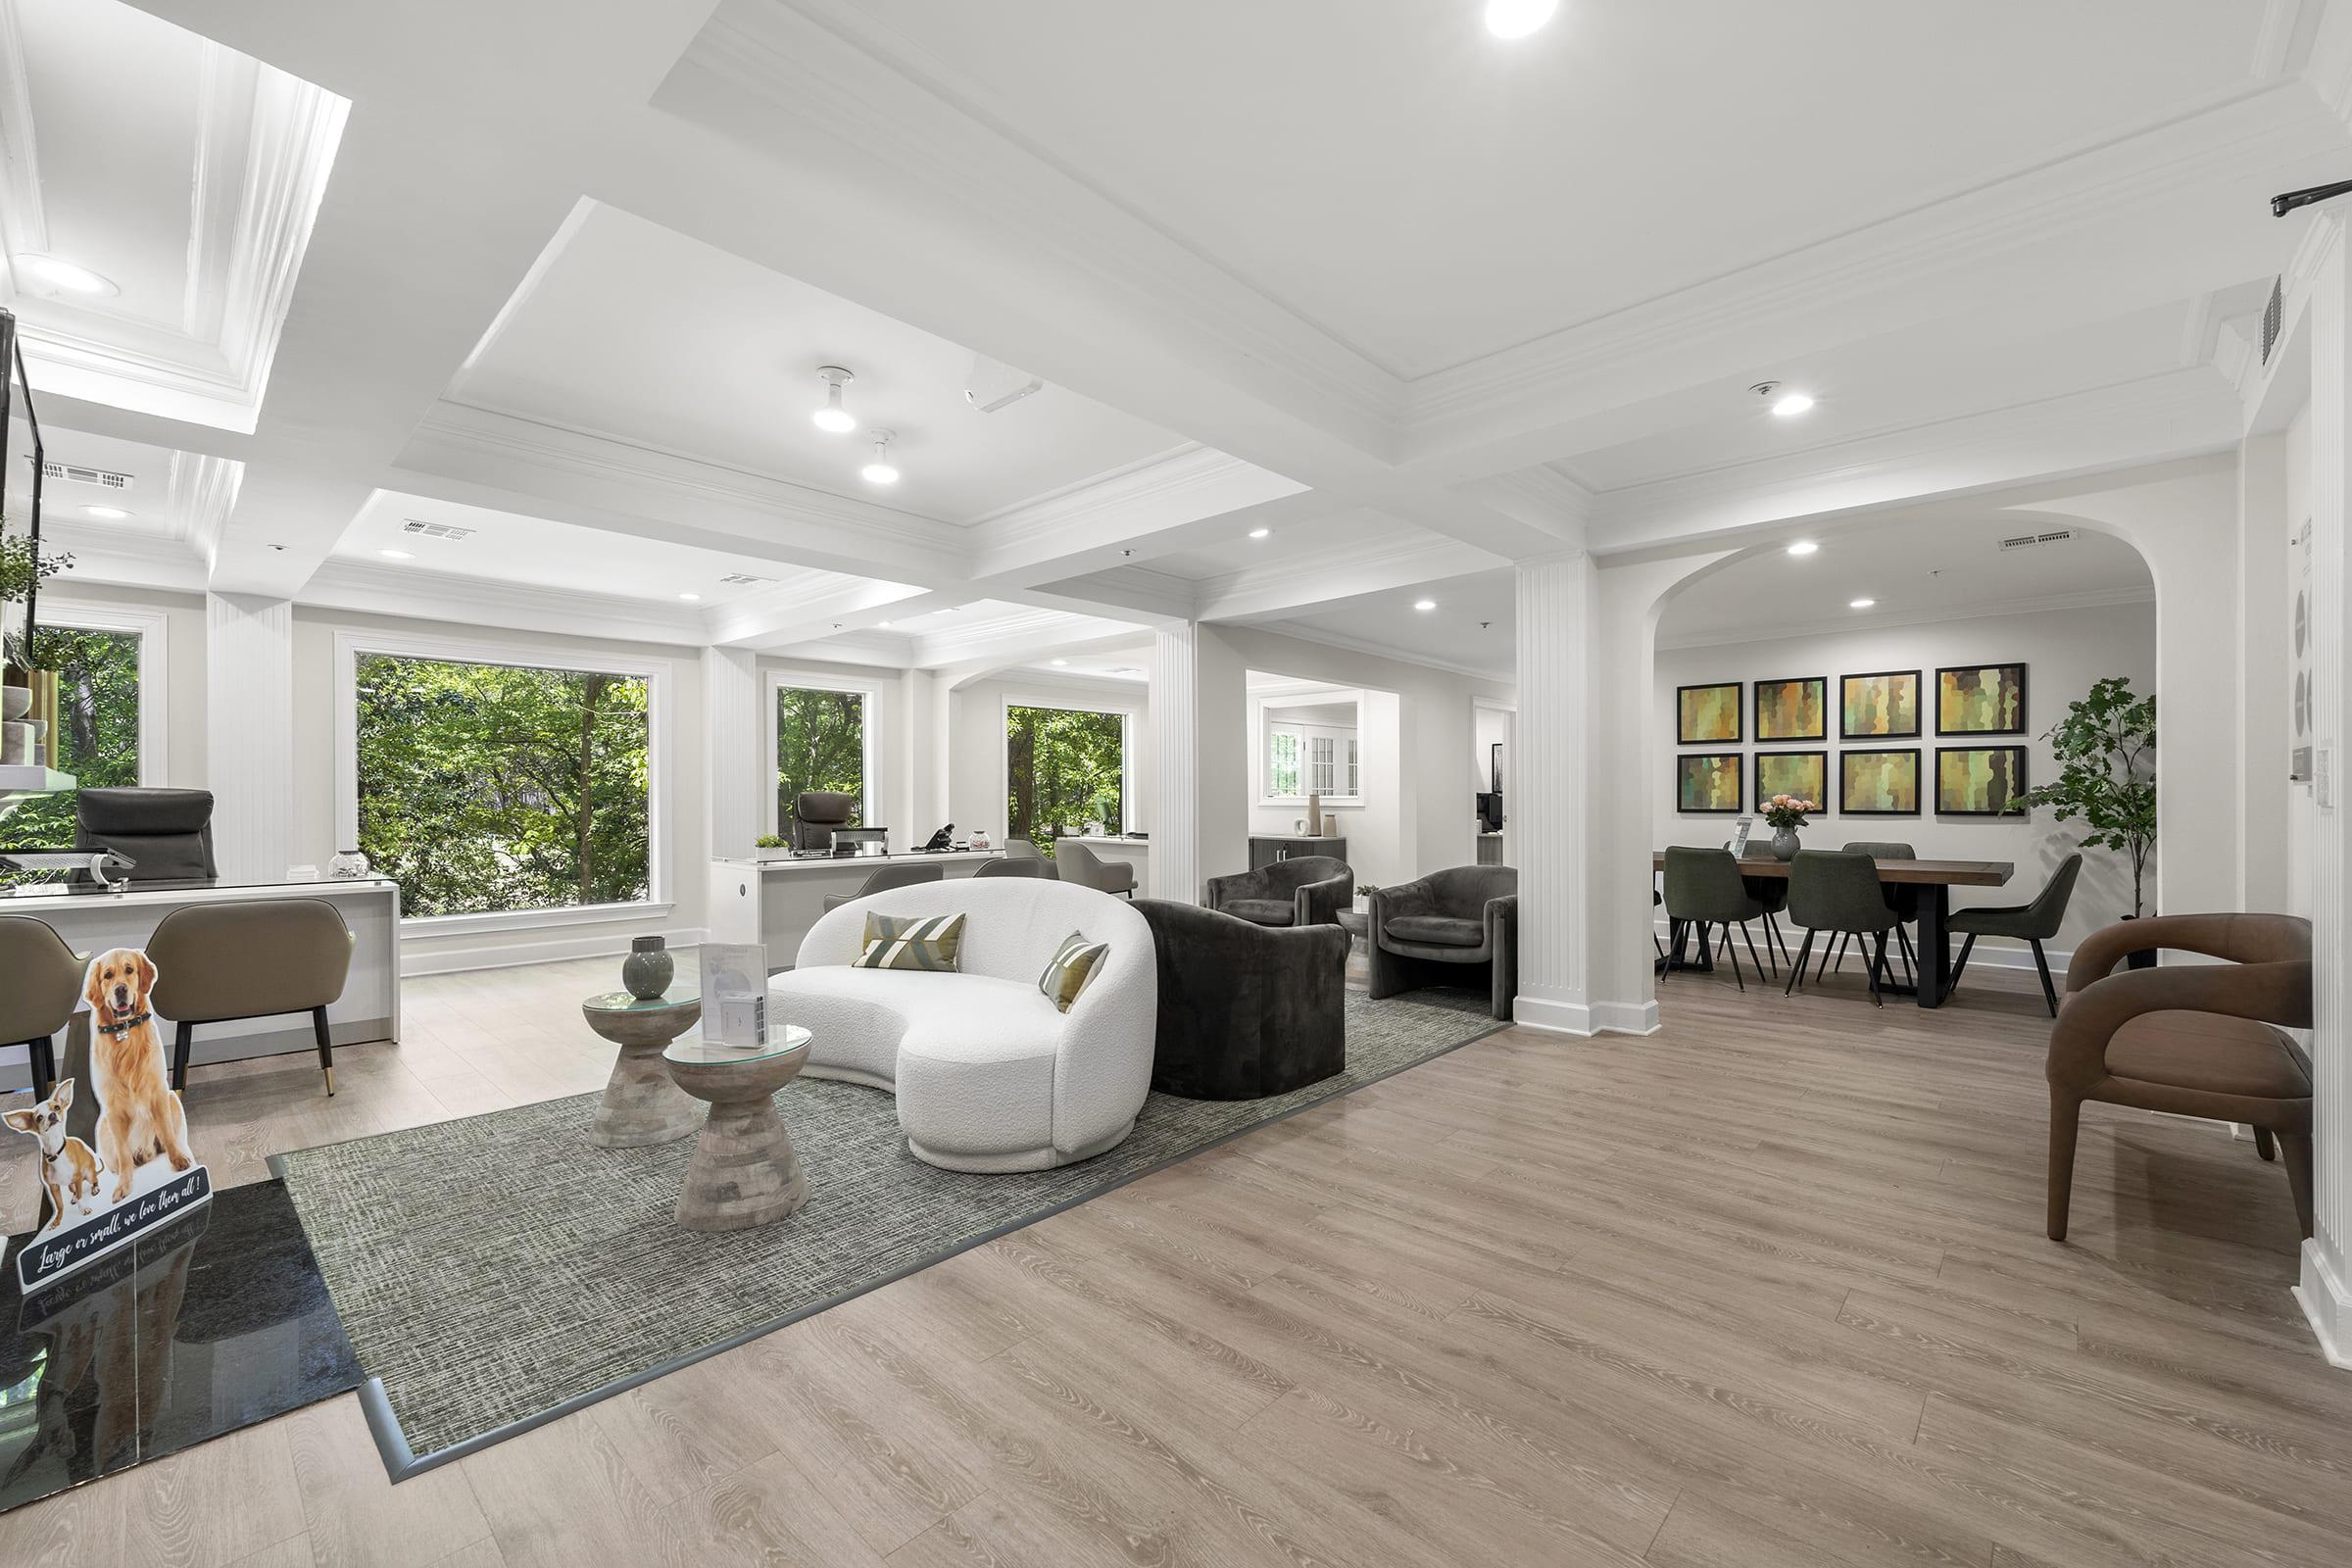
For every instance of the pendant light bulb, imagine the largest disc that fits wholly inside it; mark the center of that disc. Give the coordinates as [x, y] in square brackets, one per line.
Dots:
[881, 470]
[833, 418]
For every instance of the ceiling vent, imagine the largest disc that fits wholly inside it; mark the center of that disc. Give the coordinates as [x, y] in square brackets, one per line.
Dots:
[743, 580]
[434, 530]
[103, 479]
[2031, 541]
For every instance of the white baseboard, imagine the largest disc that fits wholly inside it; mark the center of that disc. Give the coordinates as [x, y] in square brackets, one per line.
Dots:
[444, 957]
[2327, 1304]
[1584, 1019]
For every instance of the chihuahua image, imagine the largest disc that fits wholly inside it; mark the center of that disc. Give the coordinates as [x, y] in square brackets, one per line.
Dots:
[68, 1169]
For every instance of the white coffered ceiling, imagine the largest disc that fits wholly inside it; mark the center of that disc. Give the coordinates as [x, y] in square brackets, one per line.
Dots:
[1417, 302]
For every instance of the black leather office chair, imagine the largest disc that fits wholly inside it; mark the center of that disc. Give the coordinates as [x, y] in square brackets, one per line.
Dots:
[167, 833]
[816, 814]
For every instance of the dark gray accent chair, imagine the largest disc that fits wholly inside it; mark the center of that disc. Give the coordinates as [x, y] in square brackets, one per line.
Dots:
[1426, 933]
[2031, 923]
[883, 880]
[1303, 890]
[167, 834]
[1245, 1010]
[1838, 892]
[1704, 889]
[816, 814]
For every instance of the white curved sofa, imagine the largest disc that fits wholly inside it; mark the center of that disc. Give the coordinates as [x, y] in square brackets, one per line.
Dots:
[989, 1076]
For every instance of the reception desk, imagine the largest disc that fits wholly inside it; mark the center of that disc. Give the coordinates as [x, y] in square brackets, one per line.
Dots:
[93, 921]
[774, 903]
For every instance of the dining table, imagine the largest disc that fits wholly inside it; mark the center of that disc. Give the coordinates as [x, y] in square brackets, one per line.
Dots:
[1934, 880]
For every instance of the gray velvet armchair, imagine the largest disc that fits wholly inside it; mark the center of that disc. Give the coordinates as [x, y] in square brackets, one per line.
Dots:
[1303, 890]
[1426, 933]
[1245, 1010]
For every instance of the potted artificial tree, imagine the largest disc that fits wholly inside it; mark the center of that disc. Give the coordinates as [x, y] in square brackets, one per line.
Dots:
[24, 568]
[2106, 749]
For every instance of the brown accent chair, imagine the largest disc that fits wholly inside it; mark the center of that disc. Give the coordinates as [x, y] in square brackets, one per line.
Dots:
[816, 814]
[1303, 890]
[2203, 1040]
[1419, 932]
[219, 963]
[42, 990]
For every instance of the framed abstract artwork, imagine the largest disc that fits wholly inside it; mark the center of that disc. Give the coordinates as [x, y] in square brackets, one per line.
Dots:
[1706, 716]
[1792, 709]
[1879, 783]
[1707, 783]
[1883, 705]
[1978, 780]
[1805, 774]
[1981, 700]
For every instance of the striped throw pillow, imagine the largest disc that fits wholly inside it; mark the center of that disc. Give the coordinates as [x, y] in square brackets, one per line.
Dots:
[915, 942]
[1073, 966]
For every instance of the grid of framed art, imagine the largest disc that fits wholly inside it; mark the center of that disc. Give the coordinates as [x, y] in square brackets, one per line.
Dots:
[1972, 777]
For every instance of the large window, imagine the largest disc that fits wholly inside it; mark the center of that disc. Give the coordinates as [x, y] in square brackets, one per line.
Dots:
[97, 738]
[820, 745]
[486, 787]
[1063, 769]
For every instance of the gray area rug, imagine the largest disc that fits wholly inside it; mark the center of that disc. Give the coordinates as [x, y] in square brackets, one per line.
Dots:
[496, 1271]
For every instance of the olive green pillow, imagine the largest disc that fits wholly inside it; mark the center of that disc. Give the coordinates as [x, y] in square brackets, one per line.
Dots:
[913, 941]
[1073, 966]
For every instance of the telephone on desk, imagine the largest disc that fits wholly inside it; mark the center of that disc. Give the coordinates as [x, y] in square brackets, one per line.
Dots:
[945, 838]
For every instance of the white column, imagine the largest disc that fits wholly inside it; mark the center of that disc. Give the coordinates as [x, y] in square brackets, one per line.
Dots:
[733, 737]
[249, 734]
[1554, 813]
[1198, 760]
[2325, 1290]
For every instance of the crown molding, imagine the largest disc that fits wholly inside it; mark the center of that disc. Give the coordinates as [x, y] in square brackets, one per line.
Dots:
[481, 603]
[203, 491]
[108, 557]
[1164, 492]
[1283, 589]
[1886, 621]
[1394, 655]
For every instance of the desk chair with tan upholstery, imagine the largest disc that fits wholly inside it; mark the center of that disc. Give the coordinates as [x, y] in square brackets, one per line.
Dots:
[2202, 1040]
[1078, 863]
[42, 989]
[220, 962]
[883, 880]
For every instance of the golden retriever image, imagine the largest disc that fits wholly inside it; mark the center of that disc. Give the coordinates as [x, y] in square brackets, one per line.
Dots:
[68, 1170]
[139, 1116]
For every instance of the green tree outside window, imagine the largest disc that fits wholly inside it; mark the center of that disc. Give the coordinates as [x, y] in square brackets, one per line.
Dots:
[490, 787]
[820, 745]
[98, 732]
[1063, 768]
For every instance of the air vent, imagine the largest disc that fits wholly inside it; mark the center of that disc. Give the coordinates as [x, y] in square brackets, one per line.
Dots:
[2273, 317]
[101, 478]
[434, 530]
[743, 580]
[2031, 541]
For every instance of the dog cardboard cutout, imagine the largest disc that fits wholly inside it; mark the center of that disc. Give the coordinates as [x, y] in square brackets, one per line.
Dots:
[140, 1174]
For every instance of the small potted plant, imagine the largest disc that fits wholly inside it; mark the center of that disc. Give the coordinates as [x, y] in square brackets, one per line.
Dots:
[768, 847]
[1786, 814]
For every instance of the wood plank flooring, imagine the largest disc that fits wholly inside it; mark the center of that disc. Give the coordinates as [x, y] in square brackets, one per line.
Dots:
[1766, 1290]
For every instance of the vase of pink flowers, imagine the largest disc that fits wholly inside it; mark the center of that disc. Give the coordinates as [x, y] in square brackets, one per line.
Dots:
[1786, 814]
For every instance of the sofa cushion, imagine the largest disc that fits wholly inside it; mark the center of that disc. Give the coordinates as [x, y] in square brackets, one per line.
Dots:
[926, 941]
[1262, 911]
[1437, 931]
[1066, 973]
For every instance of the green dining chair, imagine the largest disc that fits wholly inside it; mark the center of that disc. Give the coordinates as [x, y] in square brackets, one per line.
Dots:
[1837, 892]
[1704, 889]
[1904, 899]
[2031, 923]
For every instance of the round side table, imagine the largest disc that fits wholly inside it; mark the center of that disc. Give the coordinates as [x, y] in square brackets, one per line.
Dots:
[641, 1105]
[744, 1170]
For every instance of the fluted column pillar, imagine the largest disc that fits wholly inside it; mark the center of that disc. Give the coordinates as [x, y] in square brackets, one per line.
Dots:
[734, 776]
[249, 734]
[1200, 762]
[1553, 812]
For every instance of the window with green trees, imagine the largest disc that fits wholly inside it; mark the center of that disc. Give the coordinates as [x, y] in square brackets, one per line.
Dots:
[98, 732]
[820, 745]
[1063, 768]
[490, 787]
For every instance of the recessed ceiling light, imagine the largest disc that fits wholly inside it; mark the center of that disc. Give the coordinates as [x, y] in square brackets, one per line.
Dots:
[110, 513]
[1789, 405]
[881, 471]
[66, 275]
[1803, 547]
[690, 596]
[1059, 663]
[1424, 604]
[1259, 534]
[1860, 604]
[833, 418]
[396, 555]
[1516, 19]
[881, 623]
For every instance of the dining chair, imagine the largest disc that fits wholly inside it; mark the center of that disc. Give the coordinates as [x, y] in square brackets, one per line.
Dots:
[2190, 1039]
[44, 987]
[1904, 899]
[1838, 892]
[1704, 889]
[2031, 923]
[220, 962]
[1772, 892]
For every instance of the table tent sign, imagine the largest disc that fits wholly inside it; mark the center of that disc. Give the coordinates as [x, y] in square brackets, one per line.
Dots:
[115, 1159]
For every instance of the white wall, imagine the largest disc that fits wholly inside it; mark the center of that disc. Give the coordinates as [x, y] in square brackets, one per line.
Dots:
[2066, 651]
[975, 763]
